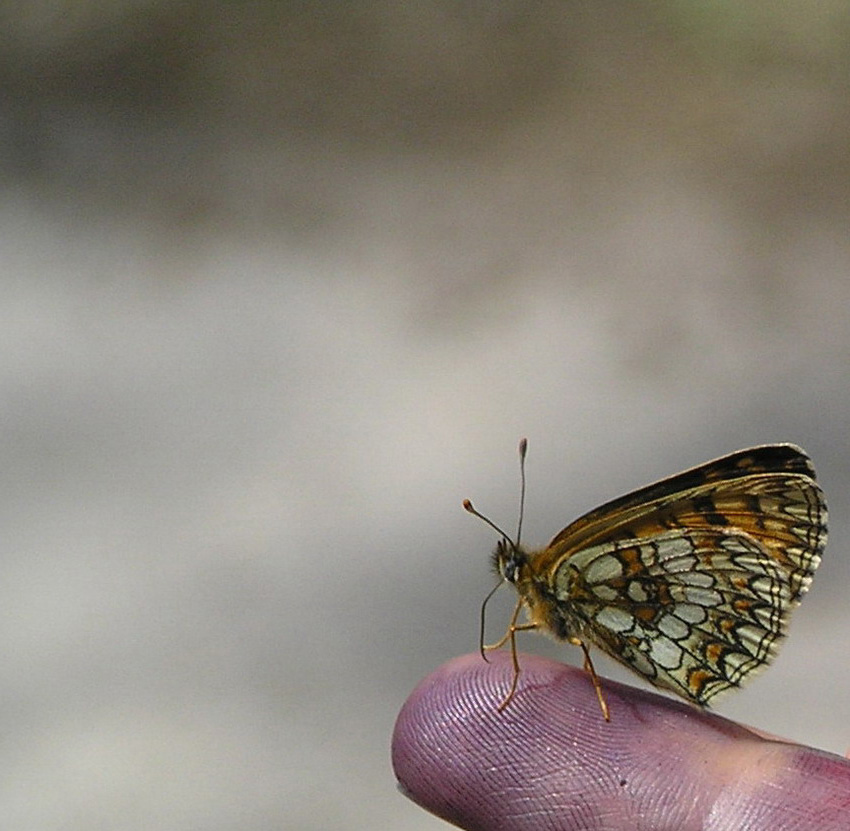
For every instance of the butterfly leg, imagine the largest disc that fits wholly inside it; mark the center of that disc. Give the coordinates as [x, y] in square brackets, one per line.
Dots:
[521, 627]
[513, 626]
[588, 668]
[510, 635]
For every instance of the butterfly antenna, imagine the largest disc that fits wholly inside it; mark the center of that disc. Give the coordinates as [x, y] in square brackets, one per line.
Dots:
[469, 508]
[523, 450]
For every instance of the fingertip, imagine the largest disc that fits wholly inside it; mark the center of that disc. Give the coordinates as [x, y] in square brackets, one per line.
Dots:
[434, 734]
[456, 755]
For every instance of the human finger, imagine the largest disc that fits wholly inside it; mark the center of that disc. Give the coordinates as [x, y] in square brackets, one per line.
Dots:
[549, 760]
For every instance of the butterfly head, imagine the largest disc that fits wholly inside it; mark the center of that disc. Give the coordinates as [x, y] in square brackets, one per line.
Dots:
[509, 561]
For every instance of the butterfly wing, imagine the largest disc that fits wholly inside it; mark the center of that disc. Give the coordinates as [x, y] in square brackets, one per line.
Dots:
[693, 611]
[767, 492]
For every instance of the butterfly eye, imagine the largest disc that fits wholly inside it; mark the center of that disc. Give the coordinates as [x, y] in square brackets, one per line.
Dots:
[504, 560]
[510, 563]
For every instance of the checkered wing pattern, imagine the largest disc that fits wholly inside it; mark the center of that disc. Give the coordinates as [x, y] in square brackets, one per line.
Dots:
[690, 582]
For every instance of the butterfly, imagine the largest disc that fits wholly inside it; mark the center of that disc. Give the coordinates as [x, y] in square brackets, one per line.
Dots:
[689, 582]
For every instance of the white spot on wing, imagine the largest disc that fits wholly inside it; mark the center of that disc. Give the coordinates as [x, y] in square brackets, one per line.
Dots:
[696, 578]
[666, 653]
[602, 569]
[702, 597]
[604, 592]
[673, 546]
[614, 619]
[690, 613]
[673, 627]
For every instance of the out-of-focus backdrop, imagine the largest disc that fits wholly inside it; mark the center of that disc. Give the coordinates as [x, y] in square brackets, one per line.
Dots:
[281, 283]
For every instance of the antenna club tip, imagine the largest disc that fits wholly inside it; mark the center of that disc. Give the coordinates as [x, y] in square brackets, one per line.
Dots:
[523, 447]
[467, 506]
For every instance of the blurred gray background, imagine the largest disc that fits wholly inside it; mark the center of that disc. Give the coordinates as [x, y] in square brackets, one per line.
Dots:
[283, 282]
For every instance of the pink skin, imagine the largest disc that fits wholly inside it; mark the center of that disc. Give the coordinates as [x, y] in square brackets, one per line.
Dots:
[550, 761]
